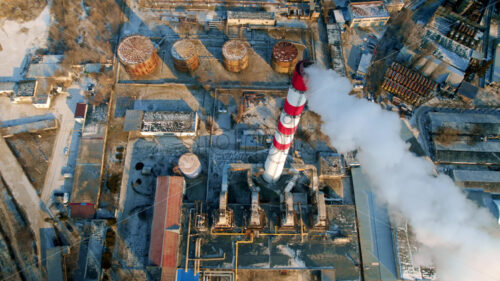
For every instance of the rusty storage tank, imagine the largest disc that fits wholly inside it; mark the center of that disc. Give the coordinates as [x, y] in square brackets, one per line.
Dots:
[284, 58]
[138, 55]
[235, 55]
[190, 165]
[185, 56]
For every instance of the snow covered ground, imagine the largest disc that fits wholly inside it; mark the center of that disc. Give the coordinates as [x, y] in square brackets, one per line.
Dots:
[295, 260]
[18, 39]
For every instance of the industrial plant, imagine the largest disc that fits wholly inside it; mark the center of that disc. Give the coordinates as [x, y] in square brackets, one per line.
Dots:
[249, 140]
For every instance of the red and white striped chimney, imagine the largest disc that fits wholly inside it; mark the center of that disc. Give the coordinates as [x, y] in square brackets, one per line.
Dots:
[287, 125]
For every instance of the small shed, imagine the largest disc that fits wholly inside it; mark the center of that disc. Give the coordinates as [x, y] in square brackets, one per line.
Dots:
[81, 112]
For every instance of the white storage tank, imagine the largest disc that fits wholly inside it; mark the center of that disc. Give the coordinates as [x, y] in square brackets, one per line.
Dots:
[190, 165]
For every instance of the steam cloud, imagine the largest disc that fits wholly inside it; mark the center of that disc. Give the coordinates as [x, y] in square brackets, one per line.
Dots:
[460, 239]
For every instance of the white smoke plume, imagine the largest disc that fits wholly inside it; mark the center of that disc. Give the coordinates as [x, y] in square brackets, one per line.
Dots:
[460, 239]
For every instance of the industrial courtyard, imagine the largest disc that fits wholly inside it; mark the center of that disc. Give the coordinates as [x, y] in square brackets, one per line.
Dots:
[172, 140]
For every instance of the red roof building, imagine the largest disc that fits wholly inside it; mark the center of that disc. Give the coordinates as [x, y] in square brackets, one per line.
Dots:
[82, 210]
[164, 243]
[80, 111]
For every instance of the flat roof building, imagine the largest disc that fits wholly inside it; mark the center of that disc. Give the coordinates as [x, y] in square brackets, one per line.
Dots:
[373, 13]
[335, 43]
[133, 120]
[85, 191]
[25, 91]
[467, 92]
[375, 231]
[364, 63]
[250, 18]
[488, 200]
[468, 123]
[7, 87]
[87, 177]
[430, 66]
[175, 123]
[48, 66]
[489, 181]
[483, 152]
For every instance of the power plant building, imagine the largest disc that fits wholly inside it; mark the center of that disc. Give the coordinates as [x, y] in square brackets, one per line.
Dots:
[280, 253]
[164, 242]
[375, 232]
[475, 140]
[468, 123]
[409, 85]
[488, 180]
[482, 152]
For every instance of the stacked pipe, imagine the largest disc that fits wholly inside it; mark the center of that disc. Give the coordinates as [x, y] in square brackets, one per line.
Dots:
[287, 125]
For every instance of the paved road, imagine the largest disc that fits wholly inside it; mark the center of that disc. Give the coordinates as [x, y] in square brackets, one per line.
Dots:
[53, 179]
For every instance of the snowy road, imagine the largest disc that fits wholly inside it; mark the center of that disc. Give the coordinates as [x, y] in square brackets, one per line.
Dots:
[54, 179]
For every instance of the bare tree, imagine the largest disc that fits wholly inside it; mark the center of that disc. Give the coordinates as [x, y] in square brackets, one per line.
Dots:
[21, 10]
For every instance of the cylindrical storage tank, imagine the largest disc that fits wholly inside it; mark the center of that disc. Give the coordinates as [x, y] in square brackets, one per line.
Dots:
[284, 58]
[235, 55]
[190, 165]
[138, 55]
[185, 56]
